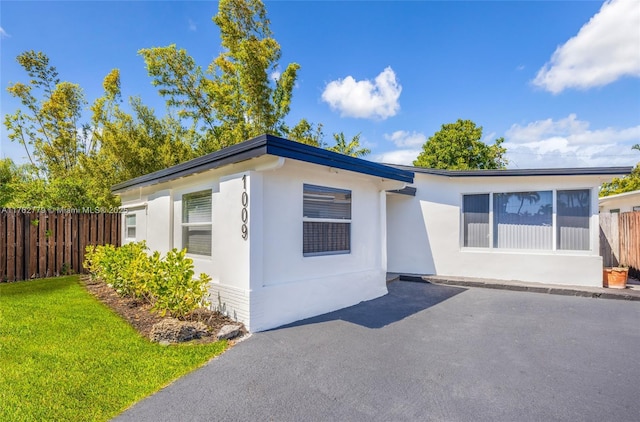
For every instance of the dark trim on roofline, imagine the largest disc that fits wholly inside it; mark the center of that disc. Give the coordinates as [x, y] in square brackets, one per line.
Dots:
[407, 190]
[570, 171]
[271, 145]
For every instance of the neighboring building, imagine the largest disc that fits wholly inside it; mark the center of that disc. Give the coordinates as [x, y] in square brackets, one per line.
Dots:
[622, 202]
[288, 231]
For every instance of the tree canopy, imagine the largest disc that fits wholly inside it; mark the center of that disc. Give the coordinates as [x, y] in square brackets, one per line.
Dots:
[351, 148]
[624, 184]
[242, 93]
[73, 162]
[458, 146]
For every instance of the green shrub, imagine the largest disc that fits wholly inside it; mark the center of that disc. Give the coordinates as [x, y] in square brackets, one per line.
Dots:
[97, 260]
[174, 287]
[131, 270]
[125, 268]
[167, 283]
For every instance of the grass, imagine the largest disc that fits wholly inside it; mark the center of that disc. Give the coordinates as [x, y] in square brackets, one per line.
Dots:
[66, 356]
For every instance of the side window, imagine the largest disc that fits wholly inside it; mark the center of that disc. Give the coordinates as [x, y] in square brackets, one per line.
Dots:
[572, 218]
[196, 222]
[326, 221]
[475, 215]
[130, 226]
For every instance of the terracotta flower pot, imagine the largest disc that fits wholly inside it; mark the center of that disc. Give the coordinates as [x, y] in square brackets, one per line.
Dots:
[615, 278]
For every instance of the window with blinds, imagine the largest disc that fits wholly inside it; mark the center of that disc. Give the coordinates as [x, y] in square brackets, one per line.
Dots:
[196, 222]
[524, 220]
[326, 221]
[130, 224]
[572, 219]
[475, 214]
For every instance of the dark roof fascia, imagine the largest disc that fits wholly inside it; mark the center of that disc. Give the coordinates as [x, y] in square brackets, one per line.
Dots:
[573, 171]
[407, 190]
[233, 154]
[297, 151]
[262, 145]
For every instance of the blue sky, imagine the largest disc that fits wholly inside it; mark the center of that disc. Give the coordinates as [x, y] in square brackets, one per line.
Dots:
[560, 81]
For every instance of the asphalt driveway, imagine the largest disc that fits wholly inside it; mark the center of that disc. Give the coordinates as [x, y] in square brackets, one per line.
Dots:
[425, 352]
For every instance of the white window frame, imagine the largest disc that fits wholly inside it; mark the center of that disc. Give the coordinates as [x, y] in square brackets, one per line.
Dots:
[347, 221]
[203, 224]
[555, 248]
[133, 226]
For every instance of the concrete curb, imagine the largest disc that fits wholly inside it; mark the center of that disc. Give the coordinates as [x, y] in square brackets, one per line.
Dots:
[592, 292]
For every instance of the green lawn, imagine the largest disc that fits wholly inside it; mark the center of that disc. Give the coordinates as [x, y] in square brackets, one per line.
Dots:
[66, 356]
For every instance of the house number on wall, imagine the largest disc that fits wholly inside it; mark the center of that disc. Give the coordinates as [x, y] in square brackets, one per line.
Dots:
[245, 211]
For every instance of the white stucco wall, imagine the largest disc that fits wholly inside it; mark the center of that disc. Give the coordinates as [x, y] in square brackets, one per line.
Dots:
[623, 202]
[265, 281]
[424, 234]
[293, 286]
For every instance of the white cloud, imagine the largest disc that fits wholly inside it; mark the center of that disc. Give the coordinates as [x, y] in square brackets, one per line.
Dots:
[365, 99]
[605, 49]
[3, 33]
[570, 142]
[408, 144]
[406, 139]
[400, 156]
[192, 26]
[275, 75]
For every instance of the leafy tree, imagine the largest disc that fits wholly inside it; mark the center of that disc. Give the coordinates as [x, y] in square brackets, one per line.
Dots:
[48, 129]
[307, 133]
[8, 177]
[128, 146]
[73, 165]
[352, 148]
[457, 146]
[624, 184]
[236, 98]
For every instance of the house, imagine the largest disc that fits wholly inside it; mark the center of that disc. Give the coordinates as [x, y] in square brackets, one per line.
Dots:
[536, 225]
[285, 230]
[288, 231]
[622, 202]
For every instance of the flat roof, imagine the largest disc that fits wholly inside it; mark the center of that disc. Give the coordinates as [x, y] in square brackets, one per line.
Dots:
[569, 171]
[267, 145]
[619, 195]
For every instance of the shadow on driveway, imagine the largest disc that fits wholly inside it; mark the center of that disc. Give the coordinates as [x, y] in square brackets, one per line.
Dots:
[404, 299]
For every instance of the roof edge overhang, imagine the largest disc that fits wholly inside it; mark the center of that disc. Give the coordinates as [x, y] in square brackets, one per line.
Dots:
[267, 145]
[569, 171]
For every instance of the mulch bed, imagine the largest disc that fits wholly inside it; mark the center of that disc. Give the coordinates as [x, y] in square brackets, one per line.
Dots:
[142, 318]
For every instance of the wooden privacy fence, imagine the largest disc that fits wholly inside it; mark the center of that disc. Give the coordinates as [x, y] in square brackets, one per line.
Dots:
[36, 244]
[620, 240]
[629, 230]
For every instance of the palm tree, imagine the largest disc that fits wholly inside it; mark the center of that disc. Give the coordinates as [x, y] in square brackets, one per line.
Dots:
[530, 197]
[352, 148]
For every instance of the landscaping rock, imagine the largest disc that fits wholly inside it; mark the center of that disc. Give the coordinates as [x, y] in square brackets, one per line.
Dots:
[229, 331]
[172, 330]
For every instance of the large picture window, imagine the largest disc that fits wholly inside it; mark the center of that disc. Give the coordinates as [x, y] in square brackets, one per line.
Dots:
[196, 222]
[326, 221]
[525, 220]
